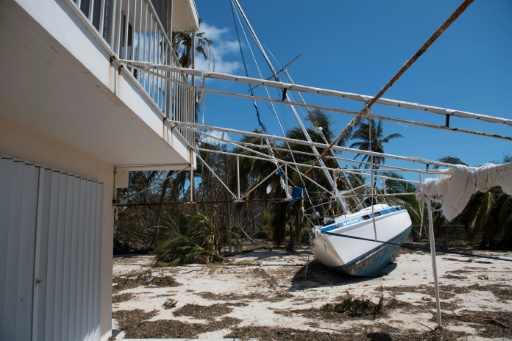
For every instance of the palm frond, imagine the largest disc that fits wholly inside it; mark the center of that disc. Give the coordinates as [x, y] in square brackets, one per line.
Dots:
[453, 160]
[178, 251]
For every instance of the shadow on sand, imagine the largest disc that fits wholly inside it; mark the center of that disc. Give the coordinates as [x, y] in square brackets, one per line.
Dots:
[318, 275]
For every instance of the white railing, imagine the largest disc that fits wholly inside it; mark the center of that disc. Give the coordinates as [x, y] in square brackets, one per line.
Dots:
[135, 32]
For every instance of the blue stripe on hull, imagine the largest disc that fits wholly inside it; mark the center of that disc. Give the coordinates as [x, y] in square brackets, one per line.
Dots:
[363, 217]
[371, 263]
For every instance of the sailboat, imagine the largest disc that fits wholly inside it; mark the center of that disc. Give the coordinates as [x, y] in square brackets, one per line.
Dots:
[359, 243]
[363, 242]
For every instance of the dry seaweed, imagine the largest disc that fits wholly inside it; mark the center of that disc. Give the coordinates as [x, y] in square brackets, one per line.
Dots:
[127, 319]
[176, 329]
[122, 297]
[355, 307]
[203, 312]
[142, 278]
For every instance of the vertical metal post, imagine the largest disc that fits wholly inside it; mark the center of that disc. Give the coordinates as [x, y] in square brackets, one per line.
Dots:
[193, 80]
[434, 265]
[286, 179]
[102, 18]
[134, 31]
[169, 51]
[139, 38]
[158, 61]
[238, 176]
[150, 52]
[91, 12]
[227, 205]
[119, 27]
[191, 176]
[421, 209]
[126, 25]
[145, 55]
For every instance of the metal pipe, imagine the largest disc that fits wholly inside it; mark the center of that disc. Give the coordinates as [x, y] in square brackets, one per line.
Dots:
[216, 176]
[101, 27]
[238, 176]
[325, 92]
[119, 27]
[126, 25]
[191, 156]
[434, 265]
[316, 144]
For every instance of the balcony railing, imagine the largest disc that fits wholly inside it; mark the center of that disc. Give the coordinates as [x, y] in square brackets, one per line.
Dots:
[134, 31]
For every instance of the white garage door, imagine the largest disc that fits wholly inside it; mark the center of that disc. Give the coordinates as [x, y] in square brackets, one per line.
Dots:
[50, 228]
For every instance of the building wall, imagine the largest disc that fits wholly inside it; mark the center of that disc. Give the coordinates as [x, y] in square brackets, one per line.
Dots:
[20, 142]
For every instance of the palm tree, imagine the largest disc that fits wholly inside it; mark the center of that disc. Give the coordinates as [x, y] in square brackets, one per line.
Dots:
[252, 172]
[184, 43]
[453, 160]
[198, 242]
[322, 133]
[284, 214]
[375, 143]
[397, 185]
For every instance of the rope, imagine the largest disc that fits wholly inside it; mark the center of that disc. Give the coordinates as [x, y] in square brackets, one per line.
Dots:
[260, 121]
[272, 107]
[320, 133]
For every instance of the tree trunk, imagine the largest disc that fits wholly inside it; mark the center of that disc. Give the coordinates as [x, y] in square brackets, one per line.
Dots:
[296, 226]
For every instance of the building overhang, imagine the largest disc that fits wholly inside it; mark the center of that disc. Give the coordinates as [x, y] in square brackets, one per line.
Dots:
[80, 99]
[185, 16]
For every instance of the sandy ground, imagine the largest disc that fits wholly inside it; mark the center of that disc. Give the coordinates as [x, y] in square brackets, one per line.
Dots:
[265, 295]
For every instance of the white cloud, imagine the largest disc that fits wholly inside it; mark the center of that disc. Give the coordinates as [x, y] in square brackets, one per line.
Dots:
[222, 48]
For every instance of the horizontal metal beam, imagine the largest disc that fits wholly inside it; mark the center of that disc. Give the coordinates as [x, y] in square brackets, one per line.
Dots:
[316, 144]
[319, 91]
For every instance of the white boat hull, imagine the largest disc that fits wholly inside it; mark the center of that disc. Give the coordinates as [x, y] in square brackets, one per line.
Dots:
[351, 246]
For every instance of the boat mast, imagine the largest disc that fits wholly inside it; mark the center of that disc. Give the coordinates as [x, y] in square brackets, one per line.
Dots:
[328, 176]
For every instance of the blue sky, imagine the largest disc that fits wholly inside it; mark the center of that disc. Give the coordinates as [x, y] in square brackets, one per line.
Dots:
[357, 46]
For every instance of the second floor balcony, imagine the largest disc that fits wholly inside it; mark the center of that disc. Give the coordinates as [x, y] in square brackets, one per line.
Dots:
[63, 80]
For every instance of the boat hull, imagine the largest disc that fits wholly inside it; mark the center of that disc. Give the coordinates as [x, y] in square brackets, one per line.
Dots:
[349, 245]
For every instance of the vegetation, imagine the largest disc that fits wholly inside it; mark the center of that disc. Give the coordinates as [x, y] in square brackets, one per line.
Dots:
[197, 243]
[163, 220]
[370, 136]
[185, 42]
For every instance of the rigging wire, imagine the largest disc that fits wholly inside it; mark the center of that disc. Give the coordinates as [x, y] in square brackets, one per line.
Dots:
[286, 97]
[319, 132]
[260, 121]
[266, 88]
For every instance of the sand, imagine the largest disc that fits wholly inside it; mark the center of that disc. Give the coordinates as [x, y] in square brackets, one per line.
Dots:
[265, 295]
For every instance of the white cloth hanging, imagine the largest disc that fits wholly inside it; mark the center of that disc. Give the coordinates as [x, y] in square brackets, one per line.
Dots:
[454, 189]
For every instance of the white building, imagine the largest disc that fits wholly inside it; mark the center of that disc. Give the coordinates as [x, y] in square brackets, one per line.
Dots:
[73, 122]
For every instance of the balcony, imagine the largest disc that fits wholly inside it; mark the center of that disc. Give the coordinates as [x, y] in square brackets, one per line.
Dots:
[62, 79]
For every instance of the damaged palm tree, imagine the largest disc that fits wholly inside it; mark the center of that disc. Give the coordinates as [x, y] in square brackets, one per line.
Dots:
[197, 243]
